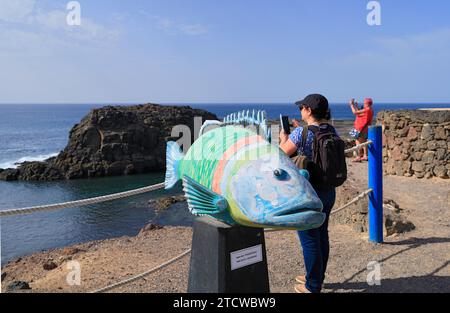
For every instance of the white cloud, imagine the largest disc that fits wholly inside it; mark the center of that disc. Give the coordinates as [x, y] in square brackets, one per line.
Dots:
[88, 30]
[16, 11]
[53, 20]
[24, 27]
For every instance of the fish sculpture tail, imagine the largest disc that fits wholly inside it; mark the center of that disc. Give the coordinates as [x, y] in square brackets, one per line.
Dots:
[173, 156]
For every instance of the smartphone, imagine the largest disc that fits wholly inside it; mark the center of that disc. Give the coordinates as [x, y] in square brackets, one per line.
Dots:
[284, 121]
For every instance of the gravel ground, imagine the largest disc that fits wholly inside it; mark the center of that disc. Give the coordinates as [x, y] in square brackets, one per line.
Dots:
[418, 261]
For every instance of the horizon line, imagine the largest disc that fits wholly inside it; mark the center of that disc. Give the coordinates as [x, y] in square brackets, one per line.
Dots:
[204, 103]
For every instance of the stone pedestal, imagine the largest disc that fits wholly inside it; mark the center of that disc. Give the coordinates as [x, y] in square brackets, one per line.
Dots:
[227, 259]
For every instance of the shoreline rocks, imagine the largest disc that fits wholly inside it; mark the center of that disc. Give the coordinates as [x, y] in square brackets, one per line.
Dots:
[18, 285]
[112, 141]
[148, 228]
[49, 265]
[162, 204]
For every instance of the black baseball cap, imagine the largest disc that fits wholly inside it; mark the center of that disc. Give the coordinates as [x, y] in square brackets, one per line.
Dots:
[314, 102]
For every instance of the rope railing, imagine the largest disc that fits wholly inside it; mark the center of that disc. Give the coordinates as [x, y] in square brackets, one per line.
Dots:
[83, 202]
[358, 147]
[353, 201]
[142, 275]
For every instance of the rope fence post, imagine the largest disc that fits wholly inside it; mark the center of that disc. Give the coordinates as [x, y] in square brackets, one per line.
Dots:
[376, 184]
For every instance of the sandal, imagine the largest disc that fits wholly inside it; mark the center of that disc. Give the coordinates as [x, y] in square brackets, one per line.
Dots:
[301, 279]
[357, 160]
[301, 289]
[364, 159]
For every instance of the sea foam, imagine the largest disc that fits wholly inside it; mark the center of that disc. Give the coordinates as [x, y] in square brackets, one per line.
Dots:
[14, 163]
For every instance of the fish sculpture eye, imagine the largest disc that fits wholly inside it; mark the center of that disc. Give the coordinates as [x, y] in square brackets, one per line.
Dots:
[279, 173]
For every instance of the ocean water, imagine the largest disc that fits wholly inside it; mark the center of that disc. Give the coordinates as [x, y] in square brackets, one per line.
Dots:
[36, 132]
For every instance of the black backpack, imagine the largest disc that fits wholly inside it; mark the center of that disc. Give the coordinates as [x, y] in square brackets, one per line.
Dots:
[328, 167]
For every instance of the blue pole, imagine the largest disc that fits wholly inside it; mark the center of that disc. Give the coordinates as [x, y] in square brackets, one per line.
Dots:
[376, 184]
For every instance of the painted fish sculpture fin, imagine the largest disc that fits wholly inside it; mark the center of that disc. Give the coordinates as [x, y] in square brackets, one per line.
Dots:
[304, 173]
[208, 123]
[202, 200]
[173, 156]
[244, 118]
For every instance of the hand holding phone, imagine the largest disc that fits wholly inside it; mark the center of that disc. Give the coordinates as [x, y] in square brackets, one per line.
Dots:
[284, 121]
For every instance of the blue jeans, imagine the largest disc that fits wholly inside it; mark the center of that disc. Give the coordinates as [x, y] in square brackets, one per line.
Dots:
[316, 245]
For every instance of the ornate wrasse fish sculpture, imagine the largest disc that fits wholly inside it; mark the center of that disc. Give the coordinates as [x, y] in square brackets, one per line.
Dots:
[235, 175]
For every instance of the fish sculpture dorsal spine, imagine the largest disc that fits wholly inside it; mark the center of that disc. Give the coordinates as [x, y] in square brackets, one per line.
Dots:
[255, 118]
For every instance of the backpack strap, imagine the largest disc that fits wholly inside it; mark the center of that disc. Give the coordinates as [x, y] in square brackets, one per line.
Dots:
[304, 137]
[312, 128]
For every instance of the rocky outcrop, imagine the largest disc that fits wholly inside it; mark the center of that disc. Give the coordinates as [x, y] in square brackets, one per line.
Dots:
[148, 228]
[161, 204]
[416, 143]
[9, 174]
[49, 265]
[356, 216]
[18, 285]
[397, 224]
[114, 140]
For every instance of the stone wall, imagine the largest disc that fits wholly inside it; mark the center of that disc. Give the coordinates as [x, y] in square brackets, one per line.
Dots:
[416, 143]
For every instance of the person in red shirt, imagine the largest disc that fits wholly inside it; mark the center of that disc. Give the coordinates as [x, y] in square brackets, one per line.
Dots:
[363, 120]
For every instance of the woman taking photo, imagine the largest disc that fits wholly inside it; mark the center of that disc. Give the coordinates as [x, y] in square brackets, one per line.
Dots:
[363, 121]
[315, 243]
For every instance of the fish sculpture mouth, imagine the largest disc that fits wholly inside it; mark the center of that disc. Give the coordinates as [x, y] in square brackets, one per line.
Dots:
[298, 216]
[295, 207]
[299, 219]
[294, 211]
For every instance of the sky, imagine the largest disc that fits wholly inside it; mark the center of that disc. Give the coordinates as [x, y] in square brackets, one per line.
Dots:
[223, 51]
